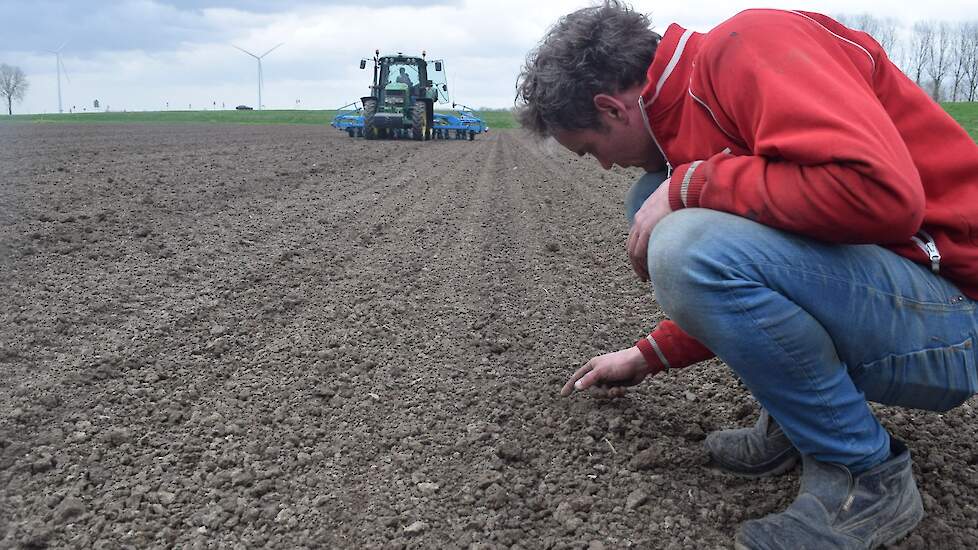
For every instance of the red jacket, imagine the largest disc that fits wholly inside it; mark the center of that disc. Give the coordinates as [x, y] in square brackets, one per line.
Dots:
[797, 122]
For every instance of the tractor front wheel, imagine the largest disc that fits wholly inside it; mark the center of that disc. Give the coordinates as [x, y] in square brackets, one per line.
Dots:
[369, 110]
[419, 121]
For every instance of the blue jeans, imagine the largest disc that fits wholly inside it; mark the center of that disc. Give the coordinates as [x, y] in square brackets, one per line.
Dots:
[813, 329]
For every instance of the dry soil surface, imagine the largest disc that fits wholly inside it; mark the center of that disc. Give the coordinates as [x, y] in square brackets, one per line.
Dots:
[246, 336]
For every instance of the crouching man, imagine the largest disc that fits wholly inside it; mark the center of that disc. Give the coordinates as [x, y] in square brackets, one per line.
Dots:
[808, 215]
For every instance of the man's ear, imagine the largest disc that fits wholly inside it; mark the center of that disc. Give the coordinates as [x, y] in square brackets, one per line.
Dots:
[610, 107]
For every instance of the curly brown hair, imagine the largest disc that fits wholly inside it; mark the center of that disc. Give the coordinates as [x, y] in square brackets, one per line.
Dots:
[600, 49]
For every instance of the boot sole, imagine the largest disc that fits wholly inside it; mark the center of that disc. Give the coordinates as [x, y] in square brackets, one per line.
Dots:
[903, 528]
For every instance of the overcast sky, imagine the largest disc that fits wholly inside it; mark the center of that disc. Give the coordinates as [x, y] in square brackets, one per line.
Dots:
[146, 54]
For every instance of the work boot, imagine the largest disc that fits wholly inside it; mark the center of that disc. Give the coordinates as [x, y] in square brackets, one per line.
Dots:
[760, 451]
[835, 510]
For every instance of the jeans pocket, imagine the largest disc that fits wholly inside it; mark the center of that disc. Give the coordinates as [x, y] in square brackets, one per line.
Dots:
[935, 379]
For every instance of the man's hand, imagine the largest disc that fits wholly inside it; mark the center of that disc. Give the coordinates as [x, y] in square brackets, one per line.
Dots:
[651, 213]
[607, 375]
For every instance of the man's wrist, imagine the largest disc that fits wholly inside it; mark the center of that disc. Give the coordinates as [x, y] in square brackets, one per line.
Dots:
[655, 362]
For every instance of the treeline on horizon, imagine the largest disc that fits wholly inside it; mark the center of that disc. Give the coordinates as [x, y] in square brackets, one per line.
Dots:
[940, 56]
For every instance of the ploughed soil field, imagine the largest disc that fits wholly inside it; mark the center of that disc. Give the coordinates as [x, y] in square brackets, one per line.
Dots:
[278, 336]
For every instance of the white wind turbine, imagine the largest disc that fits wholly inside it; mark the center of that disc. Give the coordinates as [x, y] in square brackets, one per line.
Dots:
[261, 78]
[59, 69]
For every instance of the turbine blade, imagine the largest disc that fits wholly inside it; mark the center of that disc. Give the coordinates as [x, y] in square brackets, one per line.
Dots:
[271, 50]
[63, 69]
[245, 51]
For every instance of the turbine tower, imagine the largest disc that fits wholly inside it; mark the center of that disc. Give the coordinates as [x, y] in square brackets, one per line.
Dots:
[59, 69]
[261, 78]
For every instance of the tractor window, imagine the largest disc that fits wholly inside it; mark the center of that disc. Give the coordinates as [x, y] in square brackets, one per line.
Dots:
[403, 73]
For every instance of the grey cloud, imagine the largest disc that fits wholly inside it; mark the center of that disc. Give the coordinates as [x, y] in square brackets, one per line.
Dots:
[38, 25]
[269, 6]
[88, 26]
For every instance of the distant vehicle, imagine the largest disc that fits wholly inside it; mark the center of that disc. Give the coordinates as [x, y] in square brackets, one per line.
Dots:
[403, 93]
[244, 108]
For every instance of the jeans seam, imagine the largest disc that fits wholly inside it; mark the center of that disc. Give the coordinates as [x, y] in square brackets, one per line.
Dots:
[968, 305]
[807, 373]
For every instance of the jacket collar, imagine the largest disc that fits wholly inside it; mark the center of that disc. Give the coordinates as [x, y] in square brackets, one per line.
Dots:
[668, 75]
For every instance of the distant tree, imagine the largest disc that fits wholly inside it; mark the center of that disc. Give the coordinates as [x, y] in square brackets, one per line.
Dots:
[884, 29]
[970, 30]
[959, 59]
[940, 57]
[13, 85]
[918, 54]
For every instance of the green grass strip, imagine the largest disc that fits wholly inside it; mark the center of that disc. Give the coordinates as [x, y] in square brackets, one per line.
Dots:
[965, 113]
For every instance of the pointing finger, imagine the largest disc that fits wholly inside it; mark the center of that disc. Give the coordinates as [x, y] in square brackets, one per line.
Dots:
[570, 385]
[588, 380]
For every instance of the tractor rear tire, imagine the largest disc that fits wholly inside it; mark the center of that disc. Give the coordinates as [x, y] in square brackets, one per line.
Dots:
[419, 121]
[369, 110]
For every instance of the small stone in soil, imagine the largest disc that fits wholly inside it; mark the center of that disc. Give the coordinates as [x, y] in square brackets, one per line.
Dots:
[636, 498]
[645, 460]
[118, 436]
[510, 451]
[69, 508]
[416, 528]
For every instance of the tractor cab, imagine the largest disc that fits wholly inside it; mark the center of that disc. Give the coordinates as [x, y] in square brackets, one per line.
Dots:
[396, 72]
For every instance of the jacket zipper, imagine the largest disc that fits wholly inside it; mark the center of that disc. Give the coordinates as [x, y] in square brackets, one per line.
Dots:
[925, 242]
[648, 127]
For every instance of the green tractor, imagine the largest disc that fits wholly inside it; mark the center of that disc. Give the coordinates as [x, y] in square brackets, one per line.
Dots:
[402, 96]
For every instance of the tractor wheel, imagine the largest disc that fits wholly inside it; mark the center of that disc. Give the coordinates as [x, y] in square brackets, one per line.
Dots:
[419, 121]
[351, 132]
[471, 135]
[369, 110]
